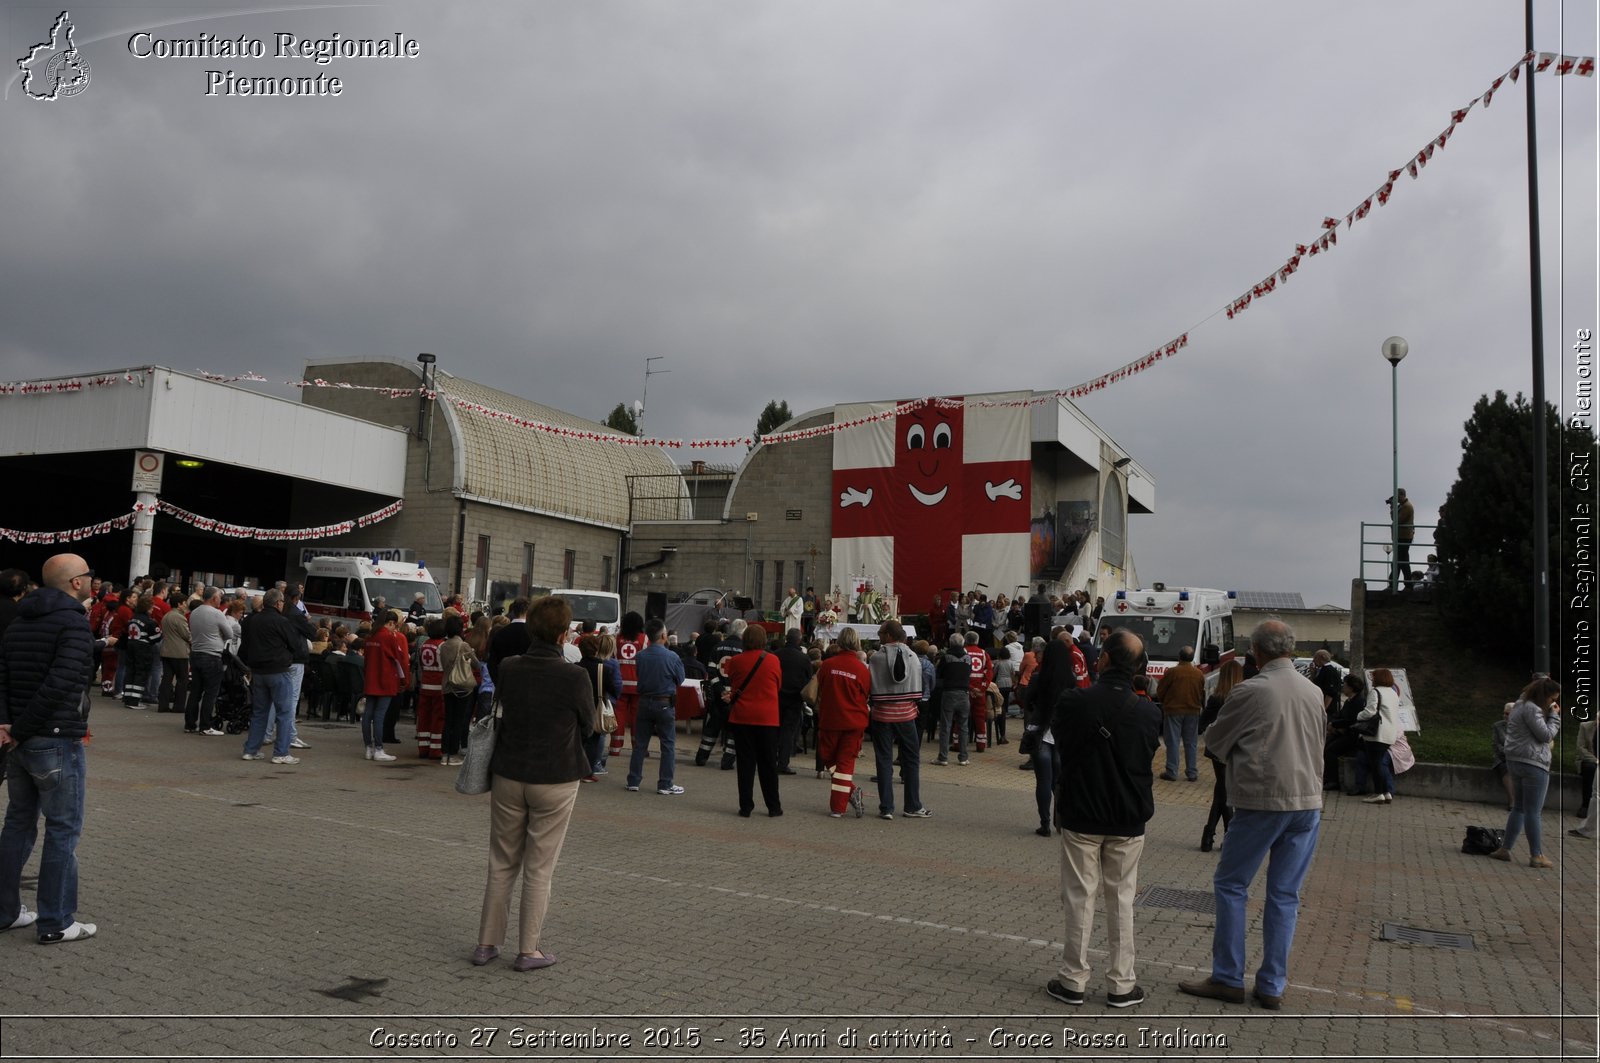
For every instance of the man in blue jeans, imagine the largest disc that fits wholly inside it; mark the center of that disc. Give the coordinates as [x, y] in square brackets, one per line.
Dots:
[660, 672]
[1269, 733]
[895, 698]
[268, 643]
[46, 662]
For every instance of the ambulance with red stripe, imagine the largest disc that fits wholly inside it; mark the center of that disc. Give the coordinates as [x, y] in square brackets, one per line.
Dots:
[343, 589]
[1167, 619]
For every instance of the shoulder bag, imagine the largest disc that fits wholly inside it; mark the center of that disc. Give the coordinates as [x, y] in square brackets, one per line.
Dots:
[753, 670]
[809, 693]
[1368, 728]
[605, 717]
[474, 776]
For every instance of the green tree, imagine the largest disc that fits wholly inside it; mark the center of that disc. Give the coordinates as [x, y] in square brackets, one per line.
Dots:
[622, 420]
[1485, 534]
[772, 415]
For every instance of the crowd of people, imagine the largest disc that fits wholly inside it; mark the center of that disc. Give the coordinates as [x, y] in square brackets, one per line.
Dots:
[565, 695]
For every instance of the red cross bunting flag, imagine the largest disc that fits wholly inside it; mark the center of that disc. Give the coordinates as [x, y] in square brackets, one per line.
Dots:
[934, 497]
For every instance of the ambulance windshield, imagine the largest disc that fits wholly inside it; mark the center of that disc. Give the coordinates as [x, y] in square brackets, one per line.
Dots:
[1164, 637]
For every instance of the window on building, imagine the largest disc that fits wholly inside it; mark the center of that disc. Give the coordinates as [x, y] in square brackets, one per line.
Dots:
[800, 576]
[569, 567]
[527, 569]
[606, 573]
[480, 570]
[760, 583]
[778, 588]
[1113, 524]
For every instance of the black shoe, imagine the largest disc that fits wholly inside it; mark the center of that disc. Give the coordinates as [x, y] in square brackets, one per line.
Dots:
[700, 758]
[787, 771]
[1167, 775]
[1206, 843]
[1063, 994]
[1043, 832]
[1126, 1000]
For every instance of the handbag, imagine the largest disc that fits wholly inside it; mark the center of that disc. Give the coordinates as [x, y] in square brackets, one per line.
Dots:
[604, 720]
[1032, 739]
[1481, 841]
[1368, 728]
[808, 693]
[474, 775]
[463, 676]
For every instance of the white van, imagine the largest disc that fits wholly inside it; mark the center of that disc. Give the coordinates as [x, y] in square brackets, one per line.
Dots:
[1167, 619]
[603, 607]
[343, 589]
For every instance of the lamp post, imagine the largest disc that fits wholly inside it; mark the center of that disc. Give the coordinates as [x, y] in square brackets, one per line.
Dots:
[1394, 349]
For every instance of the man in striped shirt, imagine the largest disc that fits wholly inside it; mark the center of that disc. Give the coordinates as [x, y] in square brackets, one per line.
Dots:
[895, 697]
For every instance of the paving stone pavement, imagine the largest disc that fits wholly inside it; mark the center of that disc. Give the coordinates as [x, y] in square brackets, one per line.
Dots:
[328, 909]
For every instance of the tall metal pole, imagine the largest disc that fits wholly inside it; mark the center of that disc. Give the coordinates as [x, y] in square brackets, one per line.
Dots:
[1394, 483]
[1541, 474]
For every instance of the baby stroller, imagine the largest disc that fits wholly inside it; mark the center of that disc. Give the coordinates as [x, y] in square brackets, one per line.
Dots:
[233, 699]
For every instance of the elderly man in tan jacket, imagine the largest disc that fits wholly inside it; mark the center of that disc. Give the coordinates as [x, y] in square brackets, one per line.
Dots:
[1269, 733]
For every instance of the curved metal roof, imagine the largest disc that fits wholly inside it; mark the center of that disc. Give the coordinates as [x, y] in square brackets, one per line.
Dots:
[503, 463]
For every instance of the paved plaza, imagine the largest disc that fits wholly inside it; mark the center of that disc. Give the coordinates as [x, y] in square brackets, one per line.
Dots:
[328, 910]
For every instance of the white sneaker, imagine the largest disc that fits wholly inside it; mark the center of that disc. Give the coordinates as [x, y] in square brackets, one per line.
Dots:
[286, 759]
[75, 932]
[251, 756]
[379, 754]
[212, 732]
[295, 743]
[24, 918]
[369, 752]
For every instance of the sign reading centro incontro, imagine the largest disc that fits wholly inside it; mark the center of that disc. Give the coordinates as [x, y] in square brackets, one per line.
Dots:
[380, 553]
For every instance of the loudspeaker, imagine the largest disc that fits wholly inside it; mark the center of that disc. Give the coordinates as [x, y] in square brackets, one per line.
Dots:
[655, 605]
[1035, 619]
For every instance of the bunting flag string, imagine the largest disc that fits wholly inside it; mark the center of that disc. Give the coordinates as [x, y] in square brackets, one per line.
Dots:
[235, 531]
[1325, 240]
[1328, 236]
[71, 535]
[588, 435]
[280, 535]
[73, 384]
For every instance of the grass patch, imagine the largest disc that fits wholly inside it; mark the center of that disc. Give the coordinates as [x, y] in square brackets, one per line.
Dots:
[1459, 693]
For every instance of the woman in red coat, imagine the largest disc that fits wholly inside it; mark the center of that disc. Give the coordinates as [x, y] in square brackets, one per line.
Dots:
[754, 676]
[388, 671]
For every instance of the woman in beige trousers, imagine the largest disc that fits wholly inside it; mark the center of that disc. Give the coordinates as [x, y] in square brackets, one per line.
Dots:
[547, 706]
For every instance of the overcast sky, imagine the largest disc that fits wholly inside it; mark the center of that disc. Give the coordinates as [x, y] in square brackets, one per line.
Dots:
[826, 201]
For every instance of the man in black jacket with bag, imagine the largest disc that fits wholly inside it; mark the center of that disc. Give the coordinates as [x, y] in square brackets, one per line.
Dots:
[1106, 737]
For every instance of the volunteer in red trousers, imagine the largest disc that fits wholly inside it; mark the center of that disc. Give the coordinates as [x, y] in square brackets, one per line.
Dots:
[430, 698]
[982, 666]
[843, 685]
[630, 643]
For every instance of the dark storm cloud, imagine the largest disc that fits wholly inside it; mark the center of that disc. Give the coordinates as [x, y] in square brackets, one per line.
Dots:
[834, 201]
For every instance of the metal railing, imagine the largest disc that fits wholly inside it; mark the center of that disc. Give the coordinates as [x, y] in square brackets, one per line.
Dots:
[1378, 568]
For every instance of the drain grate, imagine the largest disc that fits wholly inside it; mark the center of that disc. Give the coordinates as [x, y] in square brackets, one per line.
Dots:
[1412, 935]
[1183, 900]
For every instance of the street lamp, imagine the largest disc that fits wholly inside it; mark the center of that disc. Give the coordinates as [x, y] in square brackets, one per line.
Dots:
[1394, 349]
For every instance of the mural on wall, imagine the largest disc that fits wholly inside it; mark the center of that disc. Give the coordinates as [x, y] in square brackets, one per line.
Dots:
[1042, 545]
[933, 498]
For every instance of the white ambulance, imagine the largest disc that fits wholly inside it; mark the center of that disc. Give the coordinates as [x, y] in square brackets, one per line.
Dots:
[603, 607]
[343, 589]
[1167, 619]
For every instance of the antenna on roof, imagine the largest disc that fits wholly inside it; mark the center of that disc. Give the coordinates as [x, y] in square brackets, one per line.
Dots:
[638, 407]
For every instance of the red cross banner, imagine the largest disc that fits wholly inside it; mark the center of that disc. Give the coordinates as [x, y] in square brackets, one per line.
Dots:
[933, 498]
